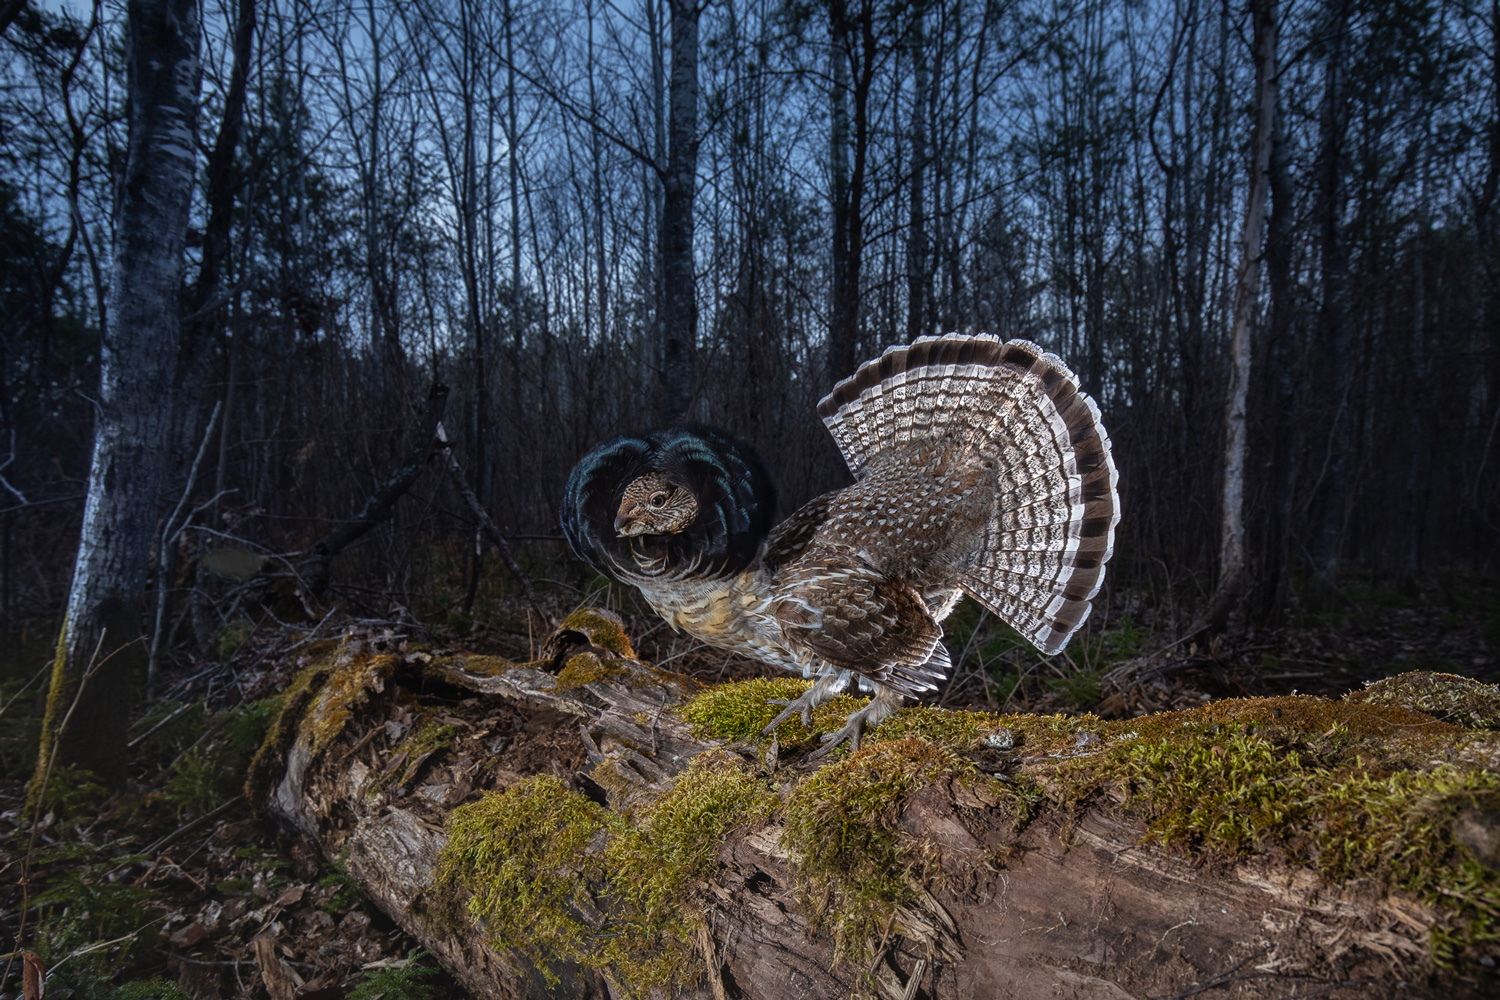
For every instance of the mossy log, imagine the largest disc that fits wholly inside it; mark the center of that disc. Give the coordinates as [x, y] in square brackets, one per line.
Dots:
[586, 826]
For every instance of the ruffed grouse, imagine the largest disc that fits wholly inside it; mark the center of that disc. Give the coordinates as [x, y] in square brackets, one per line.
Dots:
[980, 468]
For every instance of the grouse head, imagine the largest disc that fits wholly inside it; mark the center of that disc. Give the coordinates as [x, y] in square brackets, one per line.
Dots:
[688, 501]
[655, 505]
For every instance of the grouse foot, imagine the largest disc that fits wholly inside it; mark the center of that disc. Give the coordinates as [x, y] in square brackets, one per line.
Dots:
[885, 704]
[827, 688]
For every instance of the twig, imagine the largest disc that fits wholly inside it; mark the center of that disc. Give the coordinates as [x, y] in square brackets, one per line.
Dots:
[378, 505]
[711, 960]
[169, 536]
[4, 708]
[204, 820]
[162, 722]
[488, 524]
[11, 458]
[914, 981]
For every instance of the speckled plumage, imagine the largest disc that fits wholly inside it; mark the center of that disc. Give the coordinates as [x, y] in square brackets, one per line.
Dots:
[980, 468]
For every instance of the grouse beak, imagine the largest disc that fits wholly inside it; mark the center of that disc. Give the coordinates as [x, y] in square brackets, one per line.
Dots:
[626, 528]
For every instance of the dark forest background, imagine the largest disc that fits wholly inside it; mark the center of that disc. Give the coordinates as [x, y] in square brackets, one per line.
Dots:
[394, 195]
[436, 250]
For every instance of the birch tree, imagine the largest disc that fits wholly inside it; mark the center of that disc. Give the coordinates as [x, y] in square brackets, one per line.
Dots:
[99, 648]
[1246, 293]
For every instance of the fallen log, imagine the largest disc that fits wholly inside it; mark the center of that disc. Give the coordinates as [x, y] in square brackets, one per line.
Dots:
[586, 826]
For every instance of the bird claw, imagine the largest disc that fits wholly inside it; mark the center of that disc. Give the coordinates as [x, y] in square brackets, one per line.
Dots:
[791, 710]
[851, 732]
[879, 708]
[826, 689]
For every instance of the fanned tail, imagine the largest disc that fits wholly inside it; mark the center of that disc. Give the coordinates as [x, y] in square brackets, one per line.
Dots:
[1040, 560]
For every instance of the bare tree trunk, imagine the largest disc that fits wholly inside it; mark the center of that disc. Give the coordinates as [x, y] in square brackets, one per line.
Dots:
[852, 48]
[209, 301]
[843, 311]
[1286, 428]
[91, 679]
[1335, 319]
[596, 186]
[1232, 496]
[917, 261]
[678, 310]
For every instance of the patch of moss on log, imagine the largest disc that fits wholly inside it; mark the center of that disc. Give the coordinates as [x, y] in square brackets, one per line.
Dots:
[1351, 790]
[316, 706]
[601, 628]
[1368, 787]
[1449, 697]
[550, 874]
[518, 861]
[268, 764]
[587, 668]
[737, 712]
[656, 868]
[858, 874]
[347, 687]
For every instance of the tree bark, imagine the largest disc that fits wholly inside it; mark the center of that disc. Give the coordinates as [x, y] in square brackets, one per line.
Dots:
[1065, 899]
[678, 309]
[1274, 577]
[1247, 291]
[1337, 377]
[918, 273]
[98, 648]
[852, 52]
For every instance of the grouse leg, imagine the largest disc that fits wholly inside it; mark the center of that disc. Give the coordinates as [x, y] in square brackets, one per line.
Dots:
[828, 687]
[885, 704]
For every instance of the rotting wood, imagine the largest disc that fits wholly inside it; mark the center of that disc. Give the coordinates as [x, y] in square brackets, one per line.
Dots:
[1070, 901]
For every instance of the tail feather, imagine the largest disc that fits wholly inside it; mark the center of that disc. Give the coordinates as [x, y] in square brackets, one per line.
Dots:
[1040, 561]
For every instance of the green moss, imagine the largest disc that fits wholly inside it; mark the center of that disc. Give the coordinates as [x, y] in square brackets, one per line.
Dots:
[267, 766]
[427, 738]
[1289, 715]
[737, 712]
[1460, 700]
[549, 873]
[586, 668]
[316, 706]
[602, 629]
[855, 869]
[657, 867]
[60, 692]
[348, 686]
[956, 730]
[432, 737]
[524, 860]
[1350, 789]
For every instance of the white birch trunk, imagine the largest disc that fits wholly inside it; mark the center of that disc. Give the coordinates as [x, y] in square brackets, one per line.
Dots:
[1232, 531]
[138, 361]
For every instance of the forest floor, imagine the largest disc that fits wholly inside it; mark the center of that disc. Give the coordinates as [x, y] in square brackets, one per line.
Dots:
[170, 887]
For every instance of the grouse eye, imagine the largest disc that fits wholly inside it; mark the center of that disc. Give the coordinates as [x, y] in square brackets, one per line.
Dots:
[658, 499]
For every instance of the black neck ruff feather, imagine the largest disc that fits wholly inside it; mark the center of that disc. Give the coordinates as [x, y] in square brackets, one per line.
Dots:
[736, 503]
